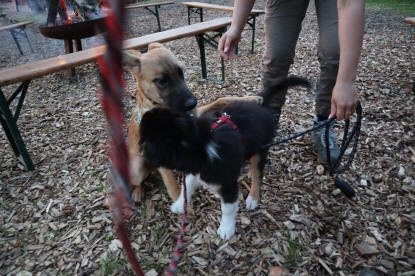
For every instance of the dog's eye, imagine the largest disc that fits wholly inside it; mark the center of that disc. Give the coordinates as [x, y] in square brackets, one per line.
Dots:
[161, 81]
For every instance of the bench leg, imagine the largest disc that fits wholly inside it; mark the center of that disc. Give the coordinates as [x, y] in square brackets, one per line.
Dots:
[8, 122]
[158, 17]
[12, 32]
[191, 11]
[253, 34]
[188, 15]
[201, 42]
[156, 14]
[210, 40]
[23, 32]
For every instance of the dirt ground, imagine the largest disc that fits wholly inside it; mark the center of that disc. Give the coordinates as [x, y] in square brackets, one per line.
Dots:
[54, 221]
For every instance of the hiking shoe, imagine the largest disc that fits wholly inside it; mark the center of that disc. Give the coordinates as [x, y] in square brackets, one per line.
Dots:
[319, 140]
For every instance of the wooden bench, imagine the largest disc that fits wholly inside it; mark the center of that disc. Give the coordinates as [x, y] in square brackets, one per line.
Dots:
[25, 73]
[18, 29]
[148, 6]
[197, 8]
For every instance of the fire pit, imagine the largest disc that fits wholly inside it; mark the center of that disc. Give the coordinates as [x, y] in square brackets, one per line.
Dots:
[85, 21]
[77, 30]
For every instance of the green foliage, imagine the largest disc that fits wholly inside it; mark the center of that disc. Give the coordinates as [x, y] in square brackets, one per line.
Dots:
[108, 236]
[295, 250]
[403, 7]
[112, 265]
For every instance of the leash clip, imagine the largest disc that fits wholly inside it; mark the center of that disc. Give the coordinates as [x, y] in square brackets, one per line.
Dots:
[223, 118]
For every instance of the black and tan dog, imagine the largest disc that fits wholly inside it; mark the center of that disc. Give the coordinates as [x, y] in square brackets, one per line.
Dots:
[160, 83]
[212, 150]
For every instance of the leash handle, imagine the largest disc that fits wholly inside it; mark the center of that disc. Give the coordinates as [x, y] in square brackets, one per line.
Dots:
[355, 134]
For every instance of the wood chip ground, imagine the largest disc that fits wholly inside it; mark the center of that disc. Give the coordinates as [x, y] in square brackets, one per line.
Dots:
[54, 221]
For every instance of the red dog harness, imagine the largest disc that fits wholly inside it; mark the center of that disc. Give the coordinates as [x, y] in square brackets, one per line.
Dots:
[224, 119]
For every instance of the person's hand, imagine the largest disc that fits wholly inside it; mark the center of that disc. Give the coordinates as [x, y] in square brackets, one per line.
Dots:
[228, 42]
[344, 100]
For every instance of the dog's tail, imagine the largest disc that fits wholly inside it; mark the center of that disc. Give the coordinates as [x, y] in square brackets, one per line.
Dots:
[282, 83]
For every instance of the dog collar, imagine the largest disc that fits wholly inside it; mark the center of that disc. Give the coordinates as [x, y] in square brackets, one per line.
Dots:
[139, 115]
[224, 119]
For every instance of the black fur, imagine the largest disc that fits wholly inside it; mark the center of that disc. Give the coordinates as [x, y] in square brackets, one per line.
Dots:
[174, 140]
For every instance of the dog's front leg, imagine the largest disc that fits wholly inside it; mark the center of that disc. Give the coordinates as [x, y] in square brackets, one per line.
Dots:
[192, 184]
[227, 223]
[170, 180]
[139, 172]
[138, 167]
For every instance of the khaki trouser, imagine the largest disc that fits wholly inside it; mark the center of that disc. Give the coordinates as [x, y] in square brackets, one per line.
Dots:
[282, 26]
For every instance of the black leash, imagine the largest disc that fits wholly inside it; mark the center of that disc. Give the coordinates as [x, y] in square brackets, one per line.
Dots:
[334, 169]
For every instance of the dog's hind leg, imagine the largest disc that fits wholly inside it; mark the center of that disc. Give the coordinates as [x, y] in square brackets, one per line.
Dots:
[257, 163]
[192, 184]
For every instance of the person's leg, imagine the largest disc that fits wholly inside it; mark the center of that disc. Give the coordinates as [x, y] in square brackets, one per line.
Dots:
[328, 54]
[282, 26]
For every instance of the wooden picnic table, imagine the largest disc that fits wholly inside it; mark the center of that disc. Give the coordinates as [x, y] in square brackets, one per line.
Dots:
[147, 6]
[197, 8]
[17, 29]
[25, 73]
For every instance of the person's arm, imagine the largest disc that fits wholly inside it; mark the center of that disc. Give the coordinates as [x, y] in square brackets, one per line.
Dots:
[351, 26]
[227, 43]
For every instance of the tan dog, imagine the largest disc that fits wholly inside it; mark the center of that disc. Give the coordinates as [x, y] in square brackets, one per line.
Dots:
[160, 82]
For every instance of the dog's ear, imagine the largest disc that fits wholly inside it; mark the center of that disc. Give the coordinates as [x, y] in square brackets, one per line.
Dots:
[155, 45]
[132, 61]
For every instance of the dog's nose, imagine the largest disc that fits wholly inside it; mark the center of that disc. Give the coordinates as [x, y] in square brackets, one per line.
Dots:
[190, 103]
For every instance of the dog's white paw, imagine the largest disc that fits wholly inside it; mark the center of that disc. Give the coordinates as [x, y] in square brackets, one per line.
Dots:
[251, 203]
[178, 206]
[226, 231]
